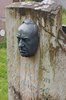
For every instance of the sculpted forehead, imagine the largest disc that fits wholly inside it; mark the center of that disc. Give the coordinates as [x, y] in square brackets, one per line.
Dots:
[25, 35]
[28, 28]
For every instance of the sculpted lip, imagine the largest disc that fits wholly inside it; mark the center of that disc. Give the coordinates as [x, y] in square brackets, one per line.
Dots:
[22, 51]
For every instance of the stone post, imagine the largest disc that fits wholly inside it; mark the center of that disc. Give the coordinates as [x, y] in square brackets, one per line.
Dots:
[43, 76]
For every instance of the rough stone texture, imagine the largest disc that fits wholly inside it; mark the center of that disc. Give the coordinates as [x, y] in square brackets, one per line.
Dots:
[41, 77]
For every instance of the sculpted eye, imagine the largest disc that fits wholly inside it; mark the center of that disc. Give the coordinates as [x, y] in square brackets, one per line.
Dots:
[26, 39]
[18, 39]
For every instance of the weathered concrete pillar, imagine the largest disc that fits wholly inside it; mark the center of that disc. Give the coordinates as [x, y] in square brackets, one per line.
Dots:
[43, 76]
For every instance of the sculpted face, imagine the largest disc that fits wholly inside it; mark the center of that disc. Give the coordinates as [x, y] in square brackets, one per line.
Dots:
[28, 38]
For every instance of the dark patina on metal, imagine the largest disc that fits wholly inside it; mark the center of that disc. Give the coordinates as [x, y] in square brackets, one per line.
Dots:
[64, 28]
[28, 38]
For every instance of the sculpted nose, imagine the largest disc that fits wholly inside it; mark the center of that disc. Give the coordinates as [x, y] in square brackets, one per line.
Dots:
[21, 44]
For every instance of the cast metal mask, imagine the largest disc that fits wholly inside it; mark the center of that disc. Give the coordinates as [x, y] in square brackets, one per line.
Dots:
[28, 38]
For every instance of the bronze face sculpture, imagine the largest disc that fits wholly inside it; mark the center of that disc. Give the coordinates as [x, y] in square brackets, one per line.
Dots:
[28, 38]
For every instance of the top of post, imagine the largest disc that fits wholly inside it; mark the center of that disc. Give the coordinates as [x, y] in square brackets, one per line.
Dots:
[42, 6]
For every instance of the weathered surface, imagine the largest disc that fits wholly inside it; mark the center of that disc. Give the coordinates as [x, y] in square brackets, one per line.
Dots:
[41, 77]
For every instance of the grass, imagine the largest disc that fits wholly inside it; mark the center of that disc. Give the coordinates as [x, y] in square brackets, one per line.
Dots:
[3, 66]
[3, 72]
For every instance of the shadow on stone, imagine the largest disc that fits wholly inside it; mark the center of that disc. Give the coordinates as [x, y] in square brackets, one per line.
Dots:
[64, 28]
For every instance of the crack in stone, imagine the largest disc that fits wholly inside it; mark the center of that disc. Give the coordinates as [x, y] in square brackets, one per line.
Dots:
[17, 94]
